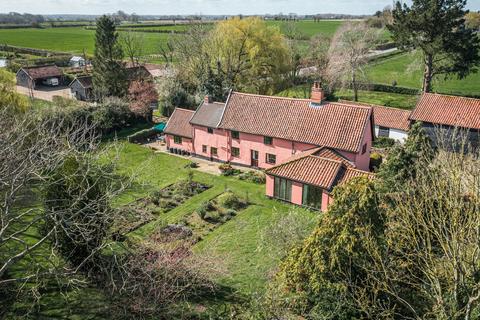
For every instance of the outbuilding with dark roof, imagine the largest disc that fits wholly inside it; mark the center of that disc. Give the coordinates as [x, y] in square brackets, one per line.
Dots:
[82, 88]
[31, 77]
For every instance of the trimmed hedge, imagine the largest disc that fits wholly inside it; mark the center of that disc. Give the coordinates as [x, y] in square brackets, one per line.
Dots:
[142, 136]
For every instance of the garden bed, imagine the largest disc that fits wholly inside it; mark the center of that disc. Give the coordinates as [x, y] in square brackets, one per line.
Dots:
[206, 218]
[145, 210]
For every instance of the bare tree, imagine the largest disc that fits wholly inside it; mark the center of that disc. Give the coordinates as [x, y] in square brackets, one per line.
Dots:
[348, 55]
[133, 44]
[430, 266]
[31, 149]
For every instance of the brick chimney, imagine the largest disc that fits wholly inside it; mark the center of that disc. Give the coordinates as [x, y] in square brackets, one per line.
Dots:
[317, 95]
[208, 99]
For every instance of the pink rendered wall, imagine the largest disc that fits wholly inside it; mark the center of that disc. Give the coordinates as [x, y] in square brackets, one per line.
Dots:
[363, 160]
[218, 139]
[326, 200]
[269, 186]
[297, 193]
[185, 145]
[283, 149]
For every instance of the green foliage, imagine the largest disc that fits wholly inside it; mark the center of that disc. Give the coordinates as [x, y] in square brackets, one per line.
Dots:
[142, 136]
[109, 75]
[8, 96]
[383, 142]
[227, 170]
[376, 160]
[253, 176]
[315, 274]
[438, 29]
[113, 114]
[76, 201]
[230, 200]
[401, 163]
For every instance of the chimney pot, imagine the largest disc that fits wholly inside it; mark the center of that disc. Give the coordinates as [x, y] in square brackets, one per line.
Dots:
[317, 94]
[208, 99]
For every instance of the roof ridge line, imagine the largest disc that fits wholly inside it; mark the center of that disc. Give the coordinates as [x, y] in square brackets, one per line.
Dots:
[268, 96]
[449, 95]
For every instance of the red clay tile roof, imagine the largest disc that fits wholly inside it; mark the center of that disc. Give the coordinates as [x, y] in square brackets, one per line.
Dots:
[321, 167]
[448, 110]
[179, 123]
[336, 125]
[43, 72]
[391, 118]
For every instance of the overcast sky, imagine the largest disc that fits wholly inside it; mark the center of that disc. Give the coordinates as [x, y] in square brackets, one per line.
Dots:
[160, 7]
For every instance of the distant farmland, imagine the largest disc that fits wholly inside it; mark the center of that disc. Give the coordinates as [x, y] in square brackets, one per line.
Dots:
[72, 40]
[76, 39]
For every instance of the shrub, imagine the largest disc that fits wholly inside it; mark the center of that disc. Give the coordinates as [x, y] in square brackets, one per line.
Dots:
[192, 165]
[142, 136]
[230, 200]
[228, 170]
[204, 208]
[376, 160]
[253, 176]
[383, 142]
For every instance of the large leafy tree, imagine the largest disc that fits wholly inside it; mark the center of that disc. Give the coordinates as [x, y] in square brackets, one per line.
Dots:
[319, 275]
[250, 55]
[402, 162]
[109, 75]
[438, 29]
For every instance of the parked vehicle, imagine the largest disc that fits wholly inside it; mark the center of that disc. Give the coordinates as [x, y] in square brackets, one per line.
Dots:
[52, 82]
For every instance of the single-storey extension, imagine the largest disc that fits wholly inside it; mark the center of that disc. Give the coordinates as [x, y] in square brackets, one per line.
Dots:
[31, 77]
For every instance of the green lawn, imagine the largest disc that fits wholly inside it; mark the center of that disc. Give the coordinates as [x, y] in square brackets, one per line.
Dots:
[236, 242]
[402, 101]
[237, 239]
[73, 40]
[407, 69]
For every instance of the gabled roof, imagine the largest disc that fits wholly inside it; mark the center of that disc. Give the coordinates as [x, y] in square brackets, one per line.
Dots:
[335, 125]
[321, 167]
[179, 123]
[448, 110]
[85, 81]
[43, 72]
[208, 114]
[391, 118]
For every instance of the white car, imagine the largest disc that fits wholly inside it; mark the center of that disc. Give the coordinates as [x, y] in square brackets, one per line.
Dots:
[52, 82]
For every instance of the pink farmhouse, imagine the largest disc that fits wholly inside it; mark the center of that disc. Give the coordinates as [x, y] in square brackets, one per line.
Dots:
[305, 146]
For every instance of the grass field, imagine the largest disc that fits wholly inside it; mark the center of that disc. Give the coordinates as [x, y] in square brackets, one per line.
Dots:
[73, 40]
[402, 101]
[236, 242]
[407, 69]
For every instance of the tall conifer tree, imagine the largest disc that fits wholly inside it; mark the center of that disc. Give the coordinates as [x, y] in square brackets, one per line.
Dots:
[437, 28]
[109, 75]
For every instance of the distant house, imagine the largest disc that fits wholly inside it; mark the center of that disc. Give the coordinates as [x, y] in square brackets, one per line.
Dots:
[31, 77]
[306, 146]
[443, 114]
[82, 88]
[77, 62]
[138, 73]
[391, 122]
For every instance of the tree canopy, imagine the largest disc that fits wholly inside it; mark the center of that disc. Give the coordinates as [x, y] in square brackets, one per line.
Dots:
[438, 29]
[109, 75]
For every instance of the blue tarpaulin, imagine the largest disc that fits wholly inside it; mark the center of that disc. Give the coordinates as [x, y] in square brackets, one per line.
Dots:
[160, 127]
